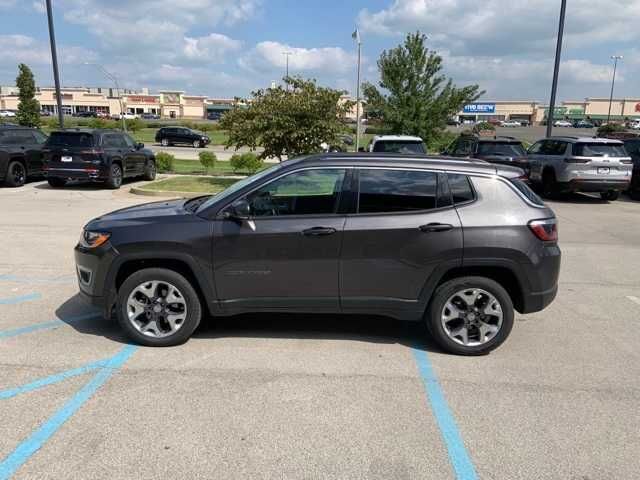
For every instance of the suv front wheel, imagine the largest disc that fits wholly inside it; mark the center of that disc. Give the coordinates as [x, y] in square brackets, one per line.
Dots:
[470, 315]
[158, 307]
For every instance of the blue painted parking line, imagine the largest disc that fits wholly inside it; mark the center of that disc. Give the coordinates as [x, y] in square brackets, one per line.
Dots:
[22, 279]
[45, 325]
[20, 299]
[51, 379]
[458, 455]
[42, 434]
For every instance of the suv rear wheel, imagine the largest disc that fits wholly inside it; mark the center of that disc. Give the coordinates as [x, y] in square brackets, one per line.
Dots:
[165, 142]
[158, 307]
[470, 315]
[150, 170]
[610, 195]
[115, 177]
[16, 174]
[197, 144]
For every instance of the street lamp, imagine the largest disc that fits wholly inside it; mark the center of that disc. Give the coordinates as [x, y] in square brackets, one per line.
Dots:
[556, 68]
[615, 59]
[356, 36]
[286, 55]
[54, 61]
[115, 81]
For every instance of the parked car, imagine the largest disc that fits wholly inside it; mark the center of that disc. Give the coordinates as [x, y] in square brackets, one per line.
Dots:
[181, 136]
[397, 144]
[85, 114]
[332, 233]
[583, 124]
[150, 116]
[129, 116]
[46, 113]
[95, 155]
[635, 125]
[498, 150]
[580, 164]
[510, 123]
[102, 114]
[632, 146]
[562, 123]
[20, 154]
[214, 116]
[453, 122]
[7, 114]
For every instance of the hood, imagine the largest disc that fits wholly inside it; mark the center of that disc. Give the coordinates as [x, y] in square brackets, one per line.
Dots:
[138, 214]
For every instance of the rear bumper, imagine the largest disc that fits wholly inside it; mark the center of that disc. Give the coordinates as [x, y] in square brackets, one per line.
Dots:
[534, 302]
[596, 185]
[94, 174]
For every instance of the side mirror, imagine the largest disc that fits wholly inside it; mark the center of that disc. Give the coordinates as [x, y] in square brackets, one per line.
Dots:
[139, 146]
[361, 149]
[239, 210]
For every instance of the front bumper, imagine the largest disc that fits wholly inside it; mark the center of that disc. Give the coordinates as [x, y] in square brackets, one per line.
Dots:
[92, 268]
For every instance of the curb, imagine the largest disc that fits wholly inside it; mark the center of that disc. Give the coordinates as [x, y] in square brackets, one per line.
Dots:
[164, 193]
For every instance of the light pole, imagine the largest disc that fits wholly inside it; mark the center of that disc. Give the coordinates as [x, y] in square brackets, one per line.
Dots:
[54, 61]
[286, 72]
[556, 68]
[356, 37]
[615, 59]
[115, 81]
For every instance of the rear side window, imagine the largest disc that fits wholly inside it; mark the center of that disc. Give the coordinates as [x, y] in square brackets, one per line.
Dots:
[460, 187]
[398, 146]
[70, 139]
[599, 150]
[526, 191]
[387, 191]
[510, 149]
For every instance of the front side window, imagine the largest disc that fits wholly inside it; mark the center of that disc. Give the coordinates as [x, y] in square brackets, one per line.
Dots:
[387, 191]
[129, 141]
[307, 192]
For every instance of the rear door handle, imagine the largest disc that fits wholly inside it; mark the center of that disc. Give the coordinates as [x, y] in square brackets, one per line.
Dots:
[435, 227]
[318, 231]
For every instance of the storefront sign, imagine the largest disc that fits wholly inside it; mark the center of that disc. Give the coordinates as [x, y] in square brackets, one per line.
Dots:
[171, 98]
[637, 107]
[142, 99]
[576, 111]
[64, 96]
[480, 108]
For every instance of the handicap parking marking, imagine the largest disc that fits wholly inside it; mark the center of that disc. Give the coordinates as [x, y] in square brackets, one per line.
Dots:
[635, 300]
[46, 325]
[42, 434]
[37, 280]
[21, 299]
[458, 455]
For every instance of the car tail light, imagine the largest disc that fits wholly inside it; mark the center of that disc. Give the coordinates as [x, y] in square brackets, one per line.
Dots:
[546, 230]
[576, 160]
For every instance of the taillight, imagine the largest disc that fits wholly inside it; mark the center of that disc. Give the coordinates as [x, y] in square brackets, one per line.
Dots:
[546, 230]
[576, 160]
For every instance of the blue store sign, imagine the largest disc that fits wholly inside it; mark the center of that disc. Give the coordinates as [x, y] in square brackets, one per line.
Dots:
[480, 108]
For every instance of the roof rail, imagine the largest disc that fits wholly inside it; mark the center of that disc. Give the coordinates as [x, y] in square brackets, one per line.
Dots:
[573, 137]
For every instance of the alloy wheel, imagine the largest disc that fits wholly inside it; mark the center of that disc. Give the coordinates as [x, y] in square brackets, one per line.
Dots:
[19, 174]
[472, 317]
[156, 309]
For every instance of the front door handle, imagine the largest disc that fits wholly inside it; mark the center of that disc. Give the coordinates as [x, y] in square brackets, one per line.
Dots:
[435, 227]
[318, 231]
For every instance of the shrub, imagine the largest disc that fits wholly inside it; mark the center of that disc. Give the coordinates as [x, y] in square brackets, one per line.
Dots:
[97, 123]
[605, 130]
[208, 160]
[479, 127]
[134, 125]
[164, 162]
[246, 162]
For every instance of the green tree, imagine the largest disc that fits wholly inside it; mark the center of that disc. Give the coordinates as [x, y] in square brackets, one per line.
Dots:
[28, 108]
[246, 162]
[291, 120]
[207, 160]
[134, 125]
[415, 98]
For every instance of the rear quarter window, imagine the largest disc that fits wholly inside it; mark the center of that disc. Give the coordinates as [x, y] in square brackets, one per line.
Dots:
[525, 190]
[599, 150]
[461, 189]
[71, 139]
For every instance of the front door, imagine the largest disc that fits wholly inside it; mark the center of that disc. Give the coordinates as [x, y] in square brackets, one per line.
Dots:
[404, 228]
[287, 254]
[134, 157]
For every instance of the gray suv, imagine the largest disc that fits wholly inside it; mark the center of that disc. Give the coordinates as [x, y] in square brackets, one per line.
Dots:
[458, 245]
[585, 164]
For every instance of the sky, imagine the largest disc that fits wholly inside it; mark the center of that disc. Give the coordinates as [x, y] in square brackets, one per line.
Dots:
[227, 48]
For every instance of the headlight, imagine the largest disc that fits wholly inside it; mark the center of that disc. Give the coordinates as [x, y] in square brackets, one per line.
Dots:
[93, 239]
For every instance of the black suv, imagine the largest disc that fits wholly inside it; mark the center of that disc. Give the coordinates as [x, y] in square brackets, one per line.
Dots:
[500, 150]
[96, 155]
[632, 146]
[413, 237]
[20, 154]
[181, 135]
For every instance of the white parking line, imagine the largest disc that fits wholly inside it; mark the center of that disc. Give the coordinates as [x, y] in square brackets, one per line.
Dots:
[634, 299]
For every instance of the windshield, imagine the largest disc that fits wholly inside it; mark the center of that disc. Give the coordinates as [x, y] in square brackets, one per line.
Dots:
[71, 139]
[599, 150]
[497, 148]
[398, 146]
[238, 186]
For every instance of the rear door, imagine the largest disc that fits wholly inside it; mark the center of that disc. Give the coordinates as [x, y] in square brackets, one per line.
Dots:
[69, 151]
[404, 229]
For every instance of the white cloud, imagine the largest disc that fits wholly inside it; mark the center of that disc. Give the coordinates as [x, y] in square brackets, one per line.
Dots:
[39, 6]
[16, 49]
[269, 56]
[212, 47]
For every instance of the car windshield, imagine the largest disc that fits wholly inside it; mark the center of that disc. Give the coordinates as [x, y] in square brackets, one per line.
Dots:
[399, 146]
[238, 186]
[599, 150]
[70, 139]
[509, 149]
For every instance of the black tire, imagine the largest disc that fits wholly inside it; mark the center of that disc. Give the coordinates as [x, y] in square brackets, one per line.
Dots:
[437, 305]
[165, 142]
[150, 170]
[197, 144]
[194, 308]
[56, 182]
[16, 174]
[610, 195]
[549, 184]
[114, 181]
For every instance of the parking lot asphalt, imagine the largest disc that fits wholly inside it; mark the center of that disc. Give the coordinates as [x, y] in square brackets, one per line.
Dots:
[266, 396]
